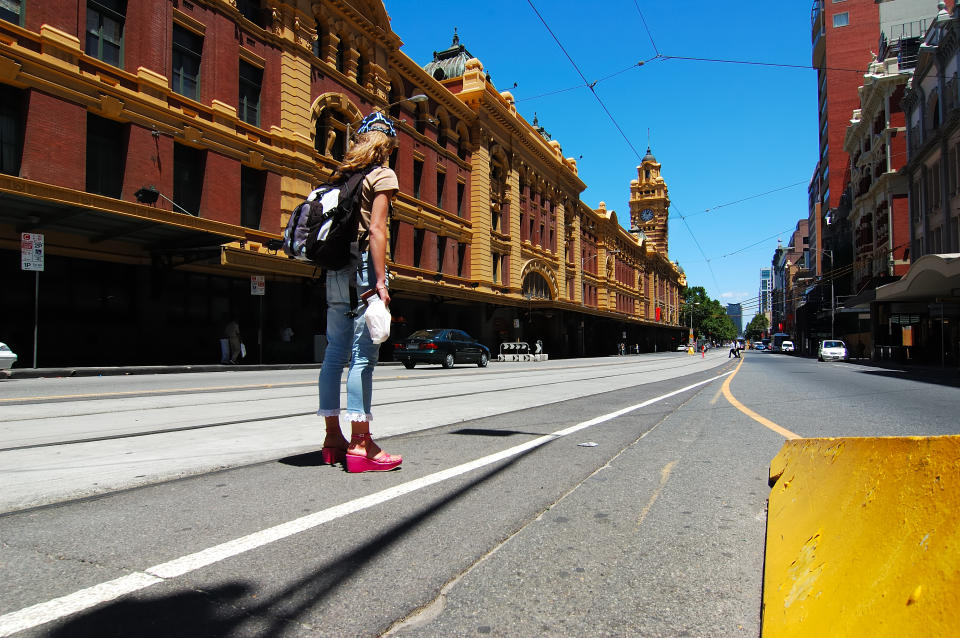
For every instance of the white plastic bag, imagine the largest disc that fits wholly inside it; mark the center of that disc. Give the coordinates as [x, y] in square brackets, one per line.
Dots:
[378, 319]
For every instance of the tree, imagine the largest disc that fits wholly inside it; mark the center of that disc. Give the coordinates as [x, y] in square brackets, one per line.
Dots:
[757, 326]
[710, 318]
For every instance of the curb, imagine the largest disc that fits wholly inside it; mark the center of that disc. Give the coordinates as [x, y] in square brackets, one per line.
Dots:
[105, 371]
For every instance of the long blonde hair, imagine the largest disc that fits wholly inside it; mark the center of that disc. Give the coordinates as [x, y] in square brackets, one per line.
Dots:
[372, 148]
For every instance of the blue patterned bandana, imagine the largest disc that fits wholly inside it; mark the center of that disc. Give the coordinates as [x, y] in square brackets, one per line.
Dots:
[376, 121]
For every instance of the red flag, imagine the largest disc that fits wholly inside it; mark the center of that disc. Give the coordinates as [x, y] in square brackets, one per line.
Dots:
[658, 314]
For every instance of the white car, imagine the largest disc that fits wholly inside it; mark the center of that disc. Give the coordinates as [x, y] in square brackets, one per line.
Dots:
[786, 346]
[7, 356]
[832, 350]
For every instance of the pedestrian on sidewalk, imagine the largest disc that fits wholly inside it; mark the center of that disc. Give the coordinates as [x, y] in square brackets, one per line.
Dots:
[703, 351]
[232, 332]
[348, 339]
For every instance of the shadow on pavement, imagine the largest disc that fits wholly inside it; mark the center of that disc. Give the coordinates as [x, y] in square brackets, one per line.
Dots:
[227, 610]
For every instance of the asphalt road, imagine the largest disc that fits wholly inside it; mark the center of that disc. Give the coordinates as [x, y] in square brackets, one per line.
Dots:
[197, 506]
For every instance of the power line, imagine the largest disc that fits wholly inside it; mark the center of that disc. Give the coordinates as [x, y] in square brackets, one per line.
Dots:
[749, 197]
[756, 63]
[585, 85]
[590, 85]
[649, 35]
[699, 247]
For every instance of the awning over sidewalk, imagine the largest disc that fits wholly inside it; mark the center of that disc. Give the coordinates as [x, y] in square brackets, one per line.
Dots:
[31, 206]
[929, 278]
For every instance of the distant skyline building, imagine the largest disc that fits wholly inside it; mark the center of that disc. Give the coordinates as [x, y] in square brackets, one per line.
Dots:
[735, 312]
[766, 288]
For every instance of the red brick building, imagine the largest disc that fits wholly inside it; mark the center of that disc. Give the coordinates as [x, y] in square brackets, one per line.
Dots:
[157, 147]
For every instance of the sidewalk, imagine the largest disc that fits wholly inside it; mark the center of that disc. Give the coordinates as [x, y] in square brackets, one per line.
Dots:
[946, 375]
[105, 371]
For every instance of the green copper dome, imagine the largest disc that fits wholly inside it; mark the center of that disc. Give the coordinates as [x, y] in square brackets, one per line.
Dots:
[450, 63]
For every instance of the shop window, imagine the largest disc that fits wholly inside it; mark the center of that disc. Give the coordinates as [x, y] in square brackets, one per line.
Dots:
[252, 186]
[106, 155]
[251, 81]
[187, 50]
[11, 129]
[105, 29]
[188, 167]
[11, 11]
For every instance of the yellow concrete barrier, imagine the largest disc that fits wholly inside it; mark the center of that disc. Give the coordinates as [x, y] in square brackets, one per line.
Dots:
[863, 538]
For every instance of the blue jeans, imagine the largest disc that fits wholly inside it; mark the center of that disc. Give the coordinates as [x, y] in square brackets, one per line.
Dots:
[348, 341]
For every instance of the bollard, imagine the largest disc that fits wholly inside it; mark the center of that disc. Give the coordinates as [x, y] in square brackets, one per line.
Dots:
[862, 538]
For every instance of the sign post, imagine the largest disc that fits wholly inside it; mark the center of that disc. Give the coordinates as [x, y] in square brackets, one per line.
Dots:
[258, 288]
[31, 258]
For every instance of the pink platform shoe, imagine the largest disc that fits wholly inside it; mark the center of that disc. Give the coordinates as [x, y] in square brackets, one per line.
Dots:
[333, 455]
[362, 463]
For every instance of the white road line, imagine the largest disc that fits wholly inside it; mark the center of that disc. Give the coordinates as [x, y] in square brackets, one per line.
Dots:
[78, 601]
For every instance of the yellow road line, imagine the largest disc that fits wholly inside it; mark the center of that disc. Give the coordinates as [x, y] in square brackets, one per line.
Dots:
[767, 423]
[108, 395]
[664, 476]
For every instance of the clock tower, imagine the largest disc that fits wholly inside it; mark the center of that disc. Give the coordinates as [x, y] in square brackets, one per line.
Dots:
[650, 203]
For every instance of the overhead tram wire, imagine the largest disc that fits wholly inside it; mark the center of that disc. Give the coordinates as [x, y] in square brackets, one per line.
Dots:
[586, 85]
[755, 63]
[673, 205]
[649, 35]
[749, 197]
[590, 85]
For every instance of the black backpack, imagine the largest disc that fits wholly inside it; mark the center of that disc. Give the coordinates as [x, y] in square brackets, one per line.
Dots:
[324, 226]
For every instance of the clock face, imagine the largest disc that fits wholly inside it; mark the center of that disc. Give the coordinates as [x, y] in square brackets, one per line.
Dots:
[646, 214]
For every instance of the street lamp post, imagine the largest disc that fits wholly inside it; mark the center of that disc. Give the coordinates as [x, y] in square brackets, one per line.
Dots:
[690, 336]
[832, 298]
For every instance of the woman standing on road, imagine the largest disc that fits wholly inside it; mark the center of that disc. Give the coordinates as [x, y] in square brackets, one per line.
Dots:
[348, 340]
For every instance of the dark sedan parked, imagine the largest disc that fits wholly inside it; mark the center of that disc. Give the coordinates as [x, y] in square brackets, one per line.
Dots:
[445, 346]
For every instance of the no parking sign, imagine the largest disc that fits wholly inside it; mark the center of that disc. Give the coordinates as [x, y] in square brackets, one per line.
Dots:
[31, 251]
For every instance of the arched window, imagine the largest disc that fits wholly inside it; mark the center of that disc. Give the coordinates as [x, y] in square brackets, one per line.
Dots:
[535, 286]
[331, 137]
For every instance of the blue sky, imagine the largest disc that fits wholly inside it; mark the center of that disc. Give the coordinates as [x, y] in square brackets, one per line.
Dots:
[723, 132]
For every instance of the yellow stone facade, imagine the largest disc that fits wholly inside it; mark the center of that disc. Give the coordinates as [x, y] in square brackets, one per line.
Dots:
[521, 237]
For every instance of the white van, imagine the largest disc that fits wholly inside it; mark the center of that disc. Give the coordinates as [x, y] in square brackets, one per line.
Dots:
[786, 346]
